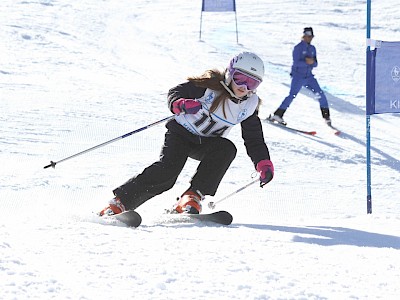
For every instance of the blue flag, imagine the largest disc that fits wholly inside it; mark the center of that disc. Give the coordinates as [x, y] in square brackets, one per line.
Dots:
[218, 5]
[387, 78]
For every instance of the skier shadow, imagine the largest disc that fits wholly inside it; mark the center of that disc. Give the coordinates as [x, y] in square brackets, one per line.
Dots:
[336, 103]
[343, 106]
[332, 236]
[387, 160]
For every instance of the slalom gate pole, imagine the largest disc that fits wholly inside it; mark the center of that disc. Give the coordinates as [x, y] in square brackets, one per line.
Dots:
[212, 204]
[53, 164]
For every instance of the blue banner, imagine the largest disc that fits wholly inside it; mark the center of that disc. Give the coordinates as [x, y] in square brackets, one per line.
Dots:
[387, 78]
[218, 5]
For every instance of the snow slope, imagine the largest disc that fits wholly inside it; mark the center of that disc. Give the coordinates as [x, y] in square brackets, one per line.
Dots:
[74, 74]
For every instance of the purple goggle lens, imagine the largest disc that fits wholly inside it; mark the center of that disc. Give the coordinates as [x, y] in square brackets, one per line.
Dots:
[247, 80]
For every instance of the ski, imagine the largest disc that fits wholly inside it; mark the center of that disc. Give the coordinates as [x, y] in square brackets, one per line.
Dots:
[130, 218]
[219, 217]
[334, 129]
[291, 128]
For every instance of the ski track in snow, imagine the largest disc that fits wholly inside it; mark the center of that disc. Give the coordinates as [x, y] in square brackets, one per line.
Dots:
[76, 74]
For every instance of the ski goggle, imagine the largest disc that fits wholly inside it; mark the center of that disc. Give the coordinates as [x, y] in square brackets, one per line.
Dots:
[243, 79]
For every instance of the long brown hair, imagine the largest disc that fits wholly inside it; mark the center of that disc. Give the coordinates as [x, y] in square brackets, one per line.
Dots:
[211, 79]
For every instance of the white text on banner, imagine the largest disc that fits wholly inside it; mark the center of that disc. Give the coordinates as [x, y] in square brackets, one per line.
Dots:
[387, 78]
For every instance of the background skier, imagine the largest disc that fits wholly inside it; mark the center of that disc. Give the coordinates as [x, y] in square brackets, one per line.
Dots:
[304, 60]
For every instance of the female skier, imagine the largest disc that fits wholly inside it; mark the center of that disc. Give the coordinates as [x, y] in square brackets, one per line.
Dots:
[206, 108]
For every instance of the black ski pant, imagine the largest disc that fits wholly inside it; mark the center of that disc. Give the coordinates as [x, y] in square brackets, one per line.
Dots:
[215, 155]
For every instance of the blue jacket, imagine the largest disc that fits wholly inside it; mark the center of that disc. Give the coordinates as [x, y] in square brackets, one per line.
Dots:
[300, 52]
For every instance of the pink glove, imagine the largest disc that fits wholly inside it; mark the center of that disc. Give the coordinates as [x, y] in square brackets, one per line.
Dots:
[187, 106]
[266, 170]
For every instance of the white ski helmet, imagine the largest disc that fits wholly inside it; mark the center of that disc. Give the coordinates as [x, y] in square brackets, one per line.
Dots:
[247, 62]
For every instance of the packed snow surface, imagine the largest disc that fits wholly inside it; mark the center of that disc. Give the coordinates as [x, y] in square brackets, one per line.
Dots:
[74, 74]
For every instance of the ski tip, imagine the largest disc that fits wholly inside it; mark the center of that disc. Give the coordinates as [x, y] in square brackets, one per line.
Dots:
[226, 217]
[313, 132]
[130, 218]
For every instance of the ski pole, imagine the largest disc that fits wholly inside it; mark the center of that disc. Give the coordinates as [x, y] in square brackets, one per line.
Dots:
[53, 164]
[212, 204]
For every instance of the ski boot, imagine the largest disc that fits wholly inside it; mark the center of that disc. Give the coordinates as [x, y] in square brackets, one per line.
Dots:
[189, 202]
[278, 117]
[114, 207]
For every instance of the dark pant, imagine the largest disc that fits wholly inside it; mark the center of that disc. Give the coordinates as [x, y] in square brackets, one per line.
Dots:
[215, 156]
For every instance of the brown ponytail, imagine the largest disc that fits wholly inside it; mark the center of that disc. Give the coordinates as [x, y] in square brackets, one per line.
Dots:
[211, 79]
